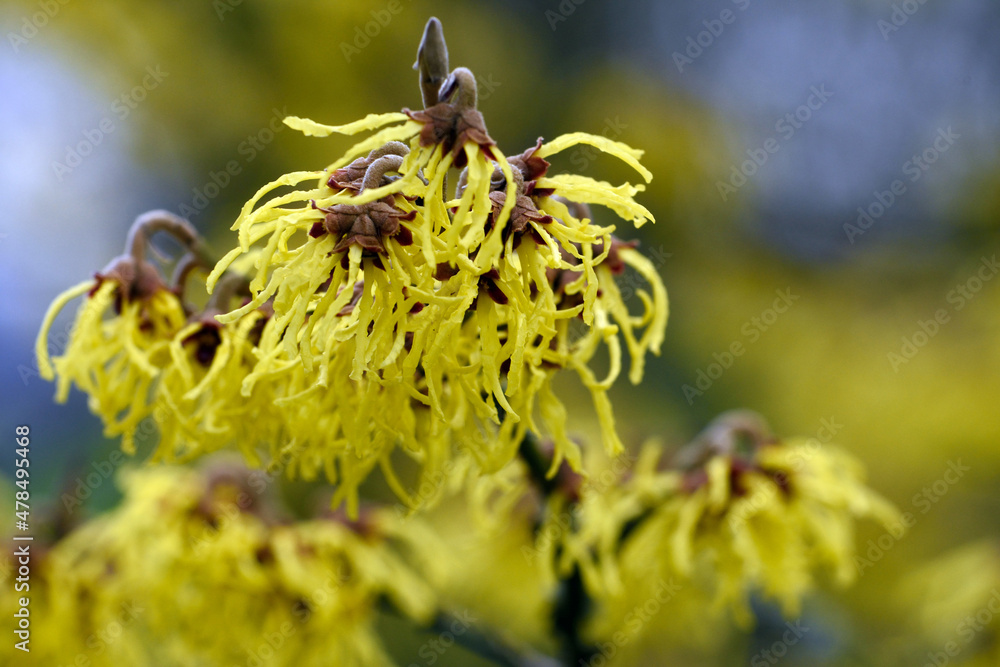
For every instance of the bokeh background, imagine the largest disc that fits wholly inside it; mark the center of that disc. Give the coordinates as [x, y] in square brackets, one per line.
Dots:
[844, 154]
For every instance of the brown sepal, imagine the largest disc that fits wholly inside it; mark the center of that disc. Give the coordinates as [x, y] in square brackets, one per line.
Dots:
[521, 215]
[351, 176]
[451, 127]
[487, 282]
[532, 167]
[206, 339]
[365, 225]
[135, 280]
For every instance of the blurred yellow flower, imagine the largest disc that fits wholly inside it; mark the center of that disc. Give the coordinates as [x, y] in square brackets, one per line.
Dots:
[121, 338]
[195, 568]
[759, 515]
[953, 603]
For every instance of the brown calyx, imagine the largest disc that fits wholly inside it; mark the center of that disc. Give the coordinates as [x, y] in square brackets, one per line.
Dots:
[134, 275]
[532, 168]
[135, 279]
[524, 210]
[206, 340]
[488, 284]
[452, 125]
[367, 225]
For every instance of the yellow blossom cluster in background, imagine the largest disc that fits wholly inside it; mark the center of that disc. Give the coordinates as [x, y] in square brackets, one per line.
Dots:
[198, 568]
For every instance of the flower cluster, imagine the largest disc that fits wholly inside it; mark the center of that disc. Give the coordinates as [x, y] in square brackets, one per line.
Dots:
[752, 514]
[197, 567]
[407, 308]
[381, 313]
[141, 351]
[696, 535]
[736, 513]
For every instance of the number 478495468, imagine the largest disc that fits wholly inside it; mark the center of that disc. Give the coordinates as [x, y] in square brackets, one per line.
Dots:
[23, 441]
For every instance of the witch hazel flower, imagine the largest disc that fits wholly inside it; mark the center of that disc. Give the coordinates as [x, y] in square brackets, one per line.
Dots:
[464, 303]
[120, 340]
[418, 295]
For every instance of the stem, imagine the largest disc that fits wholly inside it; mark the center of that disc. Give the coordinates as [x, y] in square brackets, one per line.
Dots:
[484, 644]
[487, 646]
[463, 81]
[389, 148]
[571, 609]
[150, 223]
[538, 467]
[379, 168]
[186, 265]
[228, 287]
[573, 604]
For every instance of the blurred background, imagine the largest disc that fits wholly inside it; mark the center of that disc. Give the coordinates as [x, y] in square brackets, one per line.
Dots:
[826, 188]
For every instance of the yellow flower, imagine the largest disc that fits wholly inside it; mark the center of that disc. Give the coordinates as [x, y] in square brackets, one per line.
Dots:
[663, 552]
[198, 401]
[406, 318]
[120, 340]
[383, 314]
[138, 353]
[954, 604]
[193, 568]
[759, 516]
